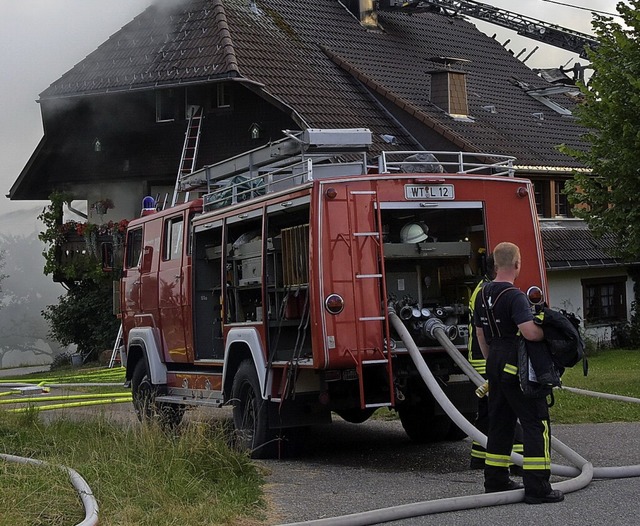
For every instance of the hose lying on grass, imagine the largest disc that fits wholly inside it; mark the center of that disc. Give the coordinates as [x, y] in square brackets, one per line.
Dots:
[84, 491]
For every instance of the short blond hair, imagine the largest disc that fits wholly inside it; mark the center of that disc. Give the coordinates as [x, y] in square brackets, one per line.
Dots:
[506, 255]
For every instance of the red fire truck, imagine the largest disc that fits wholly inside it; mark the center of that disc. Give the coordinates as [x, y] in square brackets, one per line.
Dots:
[270, 291]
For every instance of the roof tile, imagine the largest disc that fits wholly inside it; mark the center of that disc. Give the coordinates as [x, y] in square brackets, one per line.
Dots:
[313, 57]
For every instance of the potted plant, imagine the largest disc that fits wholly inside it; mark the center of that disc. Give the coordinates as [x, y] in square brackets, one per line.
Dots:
[101, 206]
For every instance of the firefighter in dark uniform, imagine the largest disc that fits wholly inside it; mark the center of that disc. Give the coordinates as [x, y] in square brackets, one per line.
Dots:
[477, 360]
[502, 312]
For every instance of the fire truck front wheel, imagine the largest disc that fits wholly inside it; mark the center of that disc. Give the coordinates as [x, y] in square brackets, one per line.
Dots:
[144, 400]
[250, 413]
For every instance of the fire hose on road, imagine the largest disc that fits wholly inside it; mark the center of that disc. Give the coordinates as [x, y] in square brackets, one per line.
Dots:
[582, 470]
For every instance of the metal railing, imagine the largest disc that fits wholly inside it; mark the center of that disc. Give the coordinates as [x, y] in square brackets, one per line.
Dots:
[237, 188]
[449, 162]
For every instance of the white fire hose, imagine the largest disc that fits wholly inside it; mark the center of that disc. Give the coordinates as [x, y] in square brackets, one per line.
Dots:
[582, 469]
[84, 491]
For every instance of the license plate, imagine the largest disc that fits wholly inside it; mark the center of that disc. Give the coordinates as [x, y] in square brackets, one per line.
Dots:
[431, 191]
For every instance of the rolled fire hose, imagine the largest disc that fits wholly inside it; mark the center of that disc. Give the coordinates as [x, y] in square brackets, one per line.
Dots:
[86, 495]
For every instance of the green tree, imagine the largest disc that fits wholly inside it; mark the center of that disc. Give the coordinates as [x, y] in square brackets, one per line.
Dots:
[608, 198]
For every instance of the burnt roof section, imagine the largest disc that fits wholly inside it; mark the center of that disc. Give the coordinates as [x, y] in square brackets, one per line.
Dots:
[315, 58]
[168, 43]
[577, 248]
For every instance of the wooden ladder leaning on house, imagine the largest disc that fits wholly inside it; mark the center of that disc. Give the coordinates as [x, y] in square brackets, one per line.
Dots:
[189, 151]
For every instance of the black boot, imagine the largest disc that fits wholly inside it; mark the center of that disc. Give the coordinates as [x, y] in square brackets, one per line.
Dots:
[555, 495]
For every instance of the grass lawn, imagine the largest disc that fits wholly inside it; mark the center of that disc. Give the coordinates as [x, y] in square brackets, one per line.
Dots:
[611, 371]
[140, 475]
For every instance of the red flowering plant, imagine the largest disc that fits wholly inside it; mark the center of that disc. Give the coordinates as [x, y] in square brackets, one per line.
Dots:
[85, 229]
[78, 249]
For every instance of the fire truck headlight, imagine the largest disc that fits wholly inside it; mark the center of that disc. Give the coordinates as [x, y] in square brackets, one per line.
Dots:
[522, 192]
[334, 303]
[331, 193]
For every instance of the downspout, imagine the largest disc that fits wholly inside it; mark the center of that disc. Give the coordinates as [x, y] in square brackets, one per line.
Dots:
[76, 211]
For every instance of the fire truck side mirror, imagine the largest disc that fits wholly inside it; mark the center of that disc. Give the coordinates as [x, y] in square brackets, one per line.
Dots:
[147, 258]
[535, 296]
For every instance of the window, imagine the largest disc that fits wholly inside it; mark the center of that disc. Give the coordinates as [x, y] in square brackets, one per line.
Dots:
[561, 201]
[604, 299]
[551, 200]
[541, 191]
[134, 248]
[173, 238]
[168, 105]
[223, 98]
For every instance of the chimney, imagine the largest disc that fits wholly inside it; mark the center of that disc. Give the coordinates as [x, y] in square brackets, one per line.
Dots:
[364, 10]
[449, 87]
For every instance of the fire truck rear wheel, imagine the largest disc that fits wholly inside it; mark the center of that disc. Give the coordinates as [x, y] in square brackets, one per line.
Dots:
[250, 413]
[455, 433]
[355, 416]
[144, 395]
[422, 426]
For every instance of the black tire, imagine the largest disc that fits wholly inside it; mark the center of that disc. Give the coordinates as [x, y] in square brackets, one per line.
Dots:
[355, 416]
[422, 425]
[455, 433]
[144, 400]
[250, 414]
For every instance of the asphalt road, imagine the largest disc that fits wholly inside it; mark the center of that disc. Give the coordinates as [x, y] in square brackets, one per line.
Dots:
[351, 468]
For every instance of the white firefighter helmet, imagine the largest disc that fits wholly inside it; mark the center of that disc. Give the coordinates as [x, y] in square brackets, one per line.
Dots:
[414, 232]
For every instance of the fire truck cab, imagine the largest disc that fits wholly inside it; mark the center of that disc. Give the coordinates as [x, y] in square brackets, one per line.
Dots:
[271, 291]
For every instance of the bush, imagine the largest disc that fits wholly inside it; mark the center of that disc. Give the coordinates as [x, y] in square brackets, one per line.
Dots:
[60, 361]
[84, 317]
[627, 335]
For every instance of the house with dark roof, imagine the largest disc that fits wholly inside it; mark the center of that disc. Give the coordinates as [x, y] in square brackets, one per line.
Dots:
[115, 124]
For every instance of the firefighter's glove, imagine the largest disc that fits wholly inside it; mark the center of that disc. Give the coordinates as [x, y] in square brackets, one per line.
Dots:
[538, 319]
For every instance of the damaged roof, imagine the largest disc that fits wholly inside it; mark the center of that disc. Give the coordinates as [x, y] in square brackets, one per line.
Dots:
[315, 58]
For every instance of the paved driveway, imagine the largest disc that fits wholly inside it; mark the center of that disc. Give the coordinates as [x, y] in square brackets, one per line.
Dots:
[350, 468]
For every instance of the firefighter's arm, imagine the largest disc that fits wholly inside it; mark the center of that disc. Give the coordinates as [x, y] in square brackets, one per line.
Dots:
[531, 331]
[484, 348]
